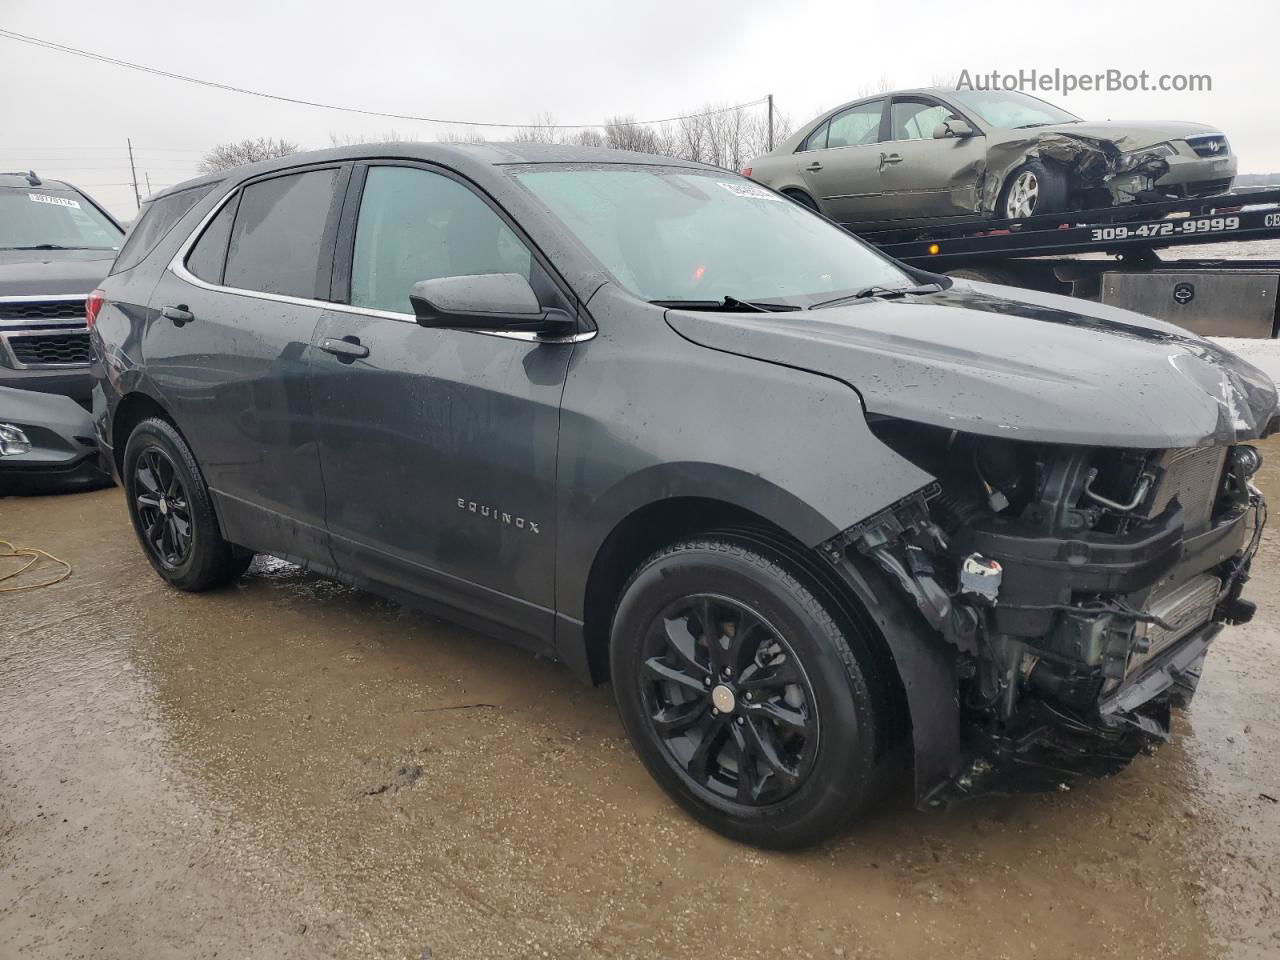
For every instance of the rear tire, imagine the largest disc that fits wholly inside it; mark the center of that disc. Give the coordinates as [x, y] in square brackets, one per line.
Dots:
[172, 512]
[767, 732]
[1035, 188]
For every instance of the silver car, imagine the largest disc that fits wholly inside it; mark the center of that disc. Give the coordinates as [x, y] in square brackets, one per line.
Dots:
[946, 153]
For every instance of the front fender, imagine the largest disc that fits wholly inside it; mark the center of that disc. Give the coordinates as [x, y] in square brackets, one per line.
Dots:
[648, 415]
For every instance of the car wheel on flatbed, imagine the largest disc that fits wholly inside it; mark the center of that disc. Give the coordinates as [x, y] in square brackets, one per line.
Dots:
[172, 512]
[744, 697]
[1035, 188]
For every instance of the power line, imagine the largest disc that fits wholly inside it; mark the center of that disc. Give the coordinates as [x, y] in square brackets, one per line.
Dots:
[155, 71]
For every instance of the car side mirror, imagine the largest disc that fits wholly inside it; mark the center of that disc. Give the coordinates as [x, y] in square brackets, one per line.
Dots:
[953, 127]
[485, 301]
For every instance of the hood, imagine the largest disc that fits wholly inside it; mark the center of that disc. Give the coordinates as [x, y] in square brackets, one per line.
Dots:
[1125, 135]
[1041, 367]
[30, 273]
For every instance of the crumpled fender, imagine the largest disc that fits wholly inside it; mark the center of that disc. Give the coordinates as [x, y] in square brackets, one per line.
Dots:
[1089, 163]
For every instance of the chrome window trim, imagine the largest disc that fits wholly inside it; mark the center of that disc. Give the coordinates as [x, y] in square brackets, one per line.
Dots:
[178, 267]
[7, 335]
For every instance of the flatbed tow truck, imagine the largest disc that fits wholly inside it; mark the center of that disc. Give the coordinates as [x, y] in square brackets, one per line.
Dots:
[1226, 297]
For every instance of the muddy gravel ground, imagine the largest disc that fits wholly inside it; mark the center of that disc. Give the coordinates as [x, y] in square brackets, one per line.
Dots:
[290, 768]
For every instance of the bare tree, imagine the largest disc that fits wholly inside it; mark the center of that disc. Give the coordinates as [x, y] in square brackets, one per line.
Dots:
[350, 139]
[882, 85]
[542, 130]
[227, 155]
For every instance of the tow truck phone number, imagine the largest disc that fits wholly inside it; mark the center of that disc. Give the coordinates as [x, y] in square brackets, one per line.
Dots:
[1169, 228]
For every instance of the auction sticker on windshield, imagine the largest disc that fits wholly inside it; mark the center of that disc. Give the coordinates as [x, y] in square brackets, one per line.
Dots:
[749, 190]
[56, 201]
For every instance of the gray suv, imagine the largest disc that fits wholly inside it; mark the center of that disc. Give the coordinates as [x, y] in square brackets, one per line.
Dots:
[813, 513]
[56, 245]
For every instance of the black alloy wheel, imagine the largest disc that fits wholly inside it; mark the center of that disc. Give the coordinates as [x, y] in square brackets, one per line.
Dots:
[172, 510]
[728, 698]
[747, 689]
[163, 508]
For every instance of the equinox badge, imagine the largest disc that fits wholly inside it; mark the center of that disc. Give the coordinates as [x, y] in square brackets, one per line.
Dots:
[493, 513]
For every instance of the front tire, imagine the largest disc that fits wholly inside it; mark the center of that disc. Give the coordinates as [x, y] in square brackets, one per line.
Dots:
[172, 512]
[1035, 188]
[743, 696]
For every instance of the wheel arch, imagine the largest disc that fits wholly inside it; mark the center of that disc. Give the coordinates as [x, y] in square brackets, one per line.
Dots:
[800, 195]
[130, 410]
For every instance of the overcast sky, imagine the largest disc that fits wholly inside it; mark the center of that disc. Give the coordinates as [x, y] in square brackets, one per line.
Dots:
[580, 61]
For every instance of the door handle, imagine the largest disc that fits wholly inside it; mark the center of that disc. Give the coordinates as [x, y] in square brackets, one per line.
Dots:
[347, 349]
[180, 315]
[887, 158]
[814, 167]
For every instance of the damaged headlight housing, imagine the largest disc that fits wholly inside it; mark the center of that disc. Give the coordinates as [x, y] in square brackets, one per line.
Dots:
[1128, 161]
[13, 442]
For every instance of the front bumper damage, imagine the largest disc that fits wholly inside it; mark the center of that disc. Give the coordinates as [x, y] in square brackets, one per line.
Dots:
[1101, 172]
[1073, 627]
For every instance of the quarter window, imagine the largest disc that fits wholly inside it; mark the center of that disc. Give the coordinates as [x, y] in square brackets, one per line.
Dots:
[210, 252]
[278, 234]
[417, 225]
[857, 125]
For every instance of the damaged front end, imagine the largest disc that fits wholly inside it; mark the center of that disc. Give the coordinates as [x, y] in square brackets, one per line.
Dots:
[1099, 172]
[1078, 589]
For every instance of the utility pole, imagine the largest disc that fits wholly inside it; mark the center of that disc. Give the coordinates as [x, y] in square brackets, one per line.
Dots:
[149, 190]
[137, 198]
[771, 121]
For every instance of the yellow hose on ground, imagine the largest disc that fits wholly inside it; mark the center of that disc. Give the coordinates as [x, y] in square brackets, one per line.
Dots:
[33, 556]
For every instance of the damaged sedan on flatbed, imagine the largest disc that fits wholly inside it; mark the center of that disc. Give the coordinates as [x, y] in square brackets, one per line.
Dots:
[934, 154]
[809, 511]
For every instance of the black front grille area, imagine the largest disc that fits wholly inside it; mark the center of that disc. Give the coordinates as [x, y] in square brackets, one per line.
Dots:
[1199, 188]
[1214, 145]
[55, 348]
[43, 310]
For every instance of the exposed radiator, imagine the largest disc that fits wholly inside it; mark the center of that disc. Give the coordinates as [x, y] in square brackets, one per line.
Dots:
[1193, 475]
[1183, 608]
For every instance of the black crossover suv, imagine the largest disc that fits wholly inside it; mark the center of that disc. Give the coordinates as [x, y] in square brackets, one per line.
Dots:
[800, 504]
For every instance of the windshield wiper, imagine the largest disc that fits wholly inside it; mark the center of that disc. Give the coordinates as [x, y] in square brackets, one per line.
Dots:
[880, 293]
[728, 304]
[48, 246]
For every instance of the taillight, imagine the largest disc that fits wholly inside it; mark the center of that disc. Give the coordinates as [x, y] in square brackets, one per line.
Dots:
[746, 171]
[92, 304]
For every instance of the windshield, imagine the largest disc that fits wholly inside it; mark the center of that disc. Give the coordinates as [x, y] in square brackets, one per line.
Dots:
[53, 219]
[670, 234]
[1007, 110]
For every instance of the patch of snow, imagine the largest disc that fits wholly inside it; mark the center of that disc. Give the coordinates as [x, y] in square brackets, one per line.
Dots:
[1263, 354]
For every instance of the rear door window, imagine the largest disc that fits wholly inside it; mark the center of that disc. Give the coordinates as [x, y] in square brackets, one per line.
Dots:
[857, 125]
[279, 233]
[158, 218]
[418, 225]
[818, 139]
